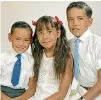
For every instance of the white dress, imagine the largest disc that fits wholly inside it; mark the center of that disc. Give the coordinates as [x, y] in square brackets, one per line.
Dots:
[47, 83]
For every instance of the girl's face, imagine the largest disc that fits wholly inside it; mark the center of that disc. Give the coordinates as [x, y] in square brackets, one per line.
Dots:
[78, 21]
[21, 39]
[48, 37]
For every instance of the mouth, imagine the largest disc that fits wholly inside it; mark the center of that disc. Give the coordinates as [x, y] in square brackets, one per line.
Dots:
[75, 29]
[20, 48]
[46, 42]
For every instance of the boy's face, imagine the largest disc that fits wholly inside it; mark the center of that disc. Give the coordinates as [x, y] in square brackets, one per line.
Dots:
[48, 38]
[21, 39]
[78, 21]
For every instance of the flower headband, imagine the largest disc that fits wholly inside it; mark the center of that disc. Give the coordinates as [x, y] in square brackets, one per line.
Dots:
[34, 23]
[56, 18]
[58, 21]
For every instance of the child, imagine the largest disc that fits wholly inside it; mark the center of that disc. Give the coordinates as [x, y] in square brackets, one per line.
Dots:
[20, 37]
[53, 64]
[88, 48]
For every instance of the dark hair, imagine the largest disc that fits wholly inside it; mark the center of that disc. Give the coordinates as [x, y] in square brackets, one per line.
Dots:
[81, 5]
[21, 24]
[61, 52]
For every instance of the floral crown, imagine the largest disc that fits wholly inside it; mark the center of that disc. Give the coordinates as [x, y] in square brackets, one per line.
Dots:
[56, 18]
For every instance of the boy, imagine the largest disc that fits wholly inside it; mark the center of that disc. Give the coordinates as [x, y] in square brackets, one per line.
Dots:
[19, 84]
[87, 57]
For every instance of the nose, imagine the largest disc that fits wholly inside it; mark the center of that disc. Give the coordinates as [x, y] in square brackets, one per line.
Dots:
[75, 22]
[21, 42]
[45, 34]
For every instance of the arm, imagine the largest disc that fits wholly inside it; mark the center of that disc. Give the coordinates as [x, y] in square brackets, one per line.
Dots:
[2, 64]
[95, 90]
[4, 97]
[29, 92]
[65, 82]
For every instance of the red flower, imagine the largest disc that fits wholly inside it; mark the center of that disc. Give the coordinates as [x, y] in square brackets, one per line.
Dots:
[58, 21]
[34, 23]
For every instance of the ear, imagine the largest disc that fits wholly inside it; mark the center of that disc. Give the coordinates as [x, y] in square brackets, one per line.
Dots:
[90, 20]
[9, 37]
[58, 33]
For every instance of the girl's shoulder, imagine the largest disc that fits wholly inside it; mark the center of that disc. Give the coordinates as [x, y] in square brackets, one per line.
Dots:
[70, 56]
[70, 59]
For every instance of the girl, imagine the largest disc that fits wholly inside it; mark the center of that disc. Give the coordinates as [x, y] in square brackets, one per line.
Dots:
[53, 64]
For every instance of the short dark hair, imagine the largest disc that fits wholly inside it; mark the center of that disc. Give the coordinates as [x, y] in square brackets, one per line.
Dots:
[21, 24]
[81, 5]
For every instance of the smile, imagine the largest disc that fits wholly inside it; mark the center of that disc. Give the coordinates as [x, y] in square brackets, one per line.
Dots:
[75, 29]
[46, 42]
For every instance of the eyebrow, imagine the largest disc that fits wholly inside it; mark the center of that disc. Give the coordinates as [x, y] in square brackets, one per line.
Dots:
[77, 16]
[81, 16]
[50, 29]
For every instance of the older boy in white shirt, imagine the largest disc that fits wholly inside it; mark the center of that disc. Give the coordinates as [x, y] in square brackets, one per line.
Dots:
[87, 59]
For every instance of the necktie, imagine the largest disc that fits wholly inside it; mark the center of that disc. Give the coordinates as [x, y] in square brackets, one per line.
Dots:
[76, 58]
[16, 71]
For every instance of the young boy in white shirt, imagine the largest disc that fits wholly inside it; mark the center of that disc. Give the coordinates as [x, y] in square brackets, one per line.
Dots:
[23, 87]
[87, 59]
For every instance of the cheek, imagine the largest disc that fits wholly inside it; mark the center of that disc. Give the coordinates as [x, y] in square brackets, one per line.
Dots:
[54, 39]
[70, 26]
[27, 45]
[39, 39]
[84, 25]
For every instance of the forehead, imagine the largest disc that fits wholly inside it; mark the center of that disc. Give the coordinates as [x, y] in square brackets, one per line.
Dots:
[75, 12]
[21, 32]
[43, 26]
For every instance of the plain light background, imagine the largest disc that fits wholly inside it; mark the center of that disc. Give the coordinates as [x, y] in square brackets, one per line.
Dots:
[12, 11]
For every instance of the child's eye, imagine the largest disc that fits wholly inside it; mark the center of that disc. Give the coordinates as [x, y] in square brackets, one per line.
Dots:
[27, 40]
[39, 33]
[17, 38]
[70, 19]
[49, 31]
[80, 18]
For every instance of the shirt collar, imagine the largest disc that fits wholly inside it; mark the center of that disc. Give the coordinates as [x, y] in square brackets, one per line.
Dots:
[13, 53]
[84, 36]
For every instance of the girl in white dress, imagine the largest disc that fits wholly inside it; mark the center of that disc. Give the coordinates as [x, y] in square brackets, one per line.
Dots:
[53, 65]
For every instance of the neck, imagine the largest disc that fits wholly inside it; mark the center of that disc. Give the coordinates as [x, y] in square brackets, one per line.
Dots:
[49, 52]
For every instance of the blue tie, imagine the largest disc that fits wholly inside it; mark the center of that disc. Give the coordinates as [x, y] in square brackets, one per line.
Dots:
[76, 58]
[16, 71]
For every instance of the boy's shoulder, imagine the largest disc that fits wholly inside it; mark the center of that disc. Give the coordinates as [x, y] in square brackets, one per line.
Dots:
[95, 41]
[5, 55]
[29, 57]
[96, 38]
[6, 58]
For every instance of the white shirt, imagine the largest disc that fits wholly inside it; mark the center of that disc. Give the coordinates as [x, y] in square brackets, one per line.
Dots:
[7, 64]
[89, 58]
[47, 83]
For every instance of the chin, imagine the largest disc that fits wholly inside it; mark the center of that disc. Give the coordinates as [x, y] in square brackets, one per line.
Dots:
[77, 34]
[19, 52]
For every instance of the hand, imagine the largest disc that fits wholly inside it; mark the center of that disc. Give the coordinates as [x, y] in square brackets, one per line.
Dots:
[79, 99]
[16, 98]
[7, 98]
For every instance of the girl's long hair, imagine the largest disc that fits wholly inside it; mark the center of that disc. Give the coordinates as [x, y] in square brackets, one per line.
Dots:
[61, 52]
